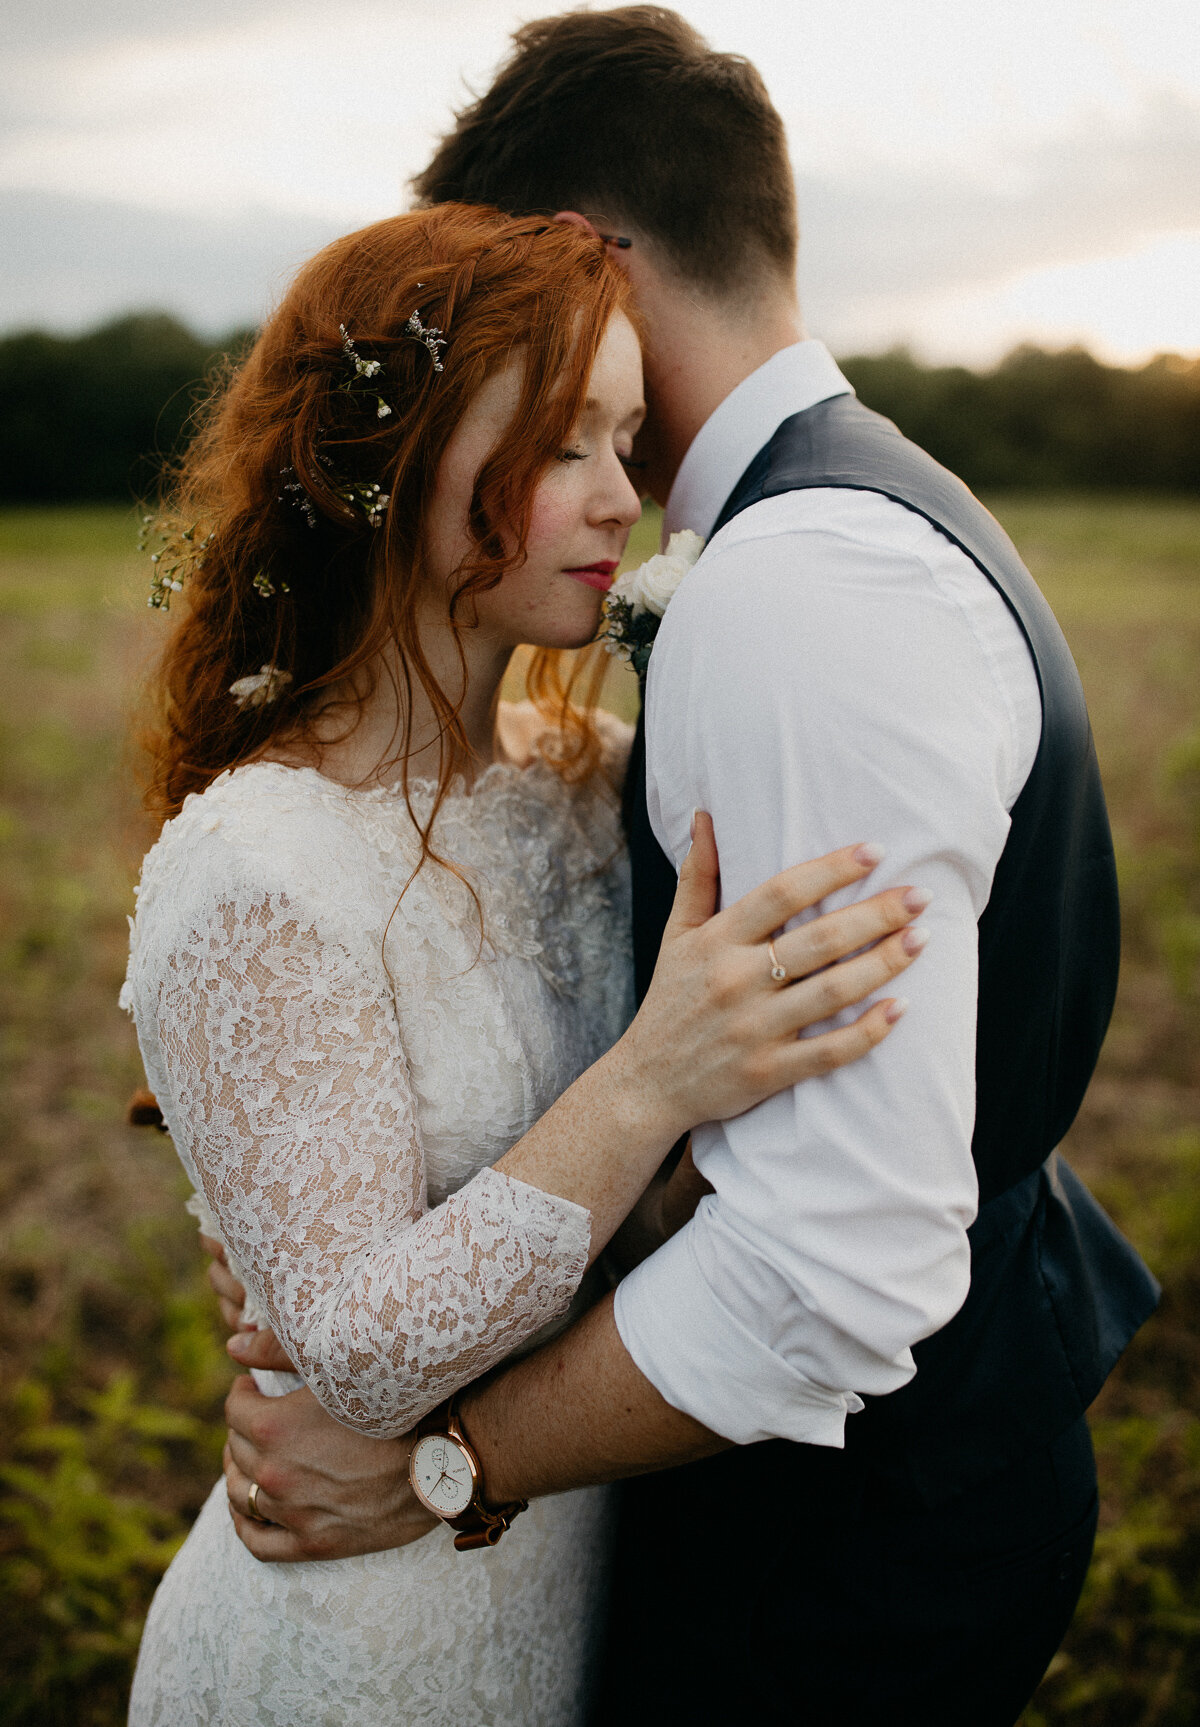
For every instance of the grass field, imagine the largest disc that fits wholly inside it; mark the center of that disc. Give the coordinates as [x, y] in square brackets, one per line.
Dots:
[111, 1370]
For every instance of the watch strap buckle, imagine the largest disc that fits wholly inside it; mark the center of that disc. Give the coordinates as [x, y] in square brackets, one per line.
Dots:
[483, 1525]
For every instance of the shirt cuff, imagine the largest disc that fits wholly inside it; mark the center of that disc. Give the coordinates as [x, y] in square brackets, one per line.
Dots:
[705, 1363]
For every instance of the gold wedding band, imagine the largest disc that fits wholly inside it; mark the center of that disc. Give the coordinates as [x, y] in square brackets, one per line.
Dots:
[778, 972]
[252, 1504]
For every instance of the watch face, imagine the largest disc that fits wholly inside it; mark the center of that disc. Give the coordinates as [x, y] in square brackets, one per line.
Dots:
[441, 1474]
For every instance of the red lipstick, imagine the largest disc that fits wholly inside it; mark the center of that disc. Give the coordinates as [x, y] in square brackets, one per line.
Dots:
[597, 576]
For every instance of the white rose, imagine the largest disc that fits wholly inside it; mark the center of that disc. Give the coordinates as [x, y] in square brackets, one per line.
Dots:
[651, 587]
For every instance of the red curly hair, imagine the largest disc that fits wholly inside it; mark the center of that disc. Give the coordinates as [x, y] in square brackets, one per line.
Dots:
[282, 570]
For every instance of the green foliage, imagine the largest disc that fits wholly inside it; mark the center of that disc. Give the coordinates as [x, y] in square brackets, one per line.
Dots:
[1046, 421]
[84, 1556]
[1134, 1653]
[98, 1486]
[92, 416]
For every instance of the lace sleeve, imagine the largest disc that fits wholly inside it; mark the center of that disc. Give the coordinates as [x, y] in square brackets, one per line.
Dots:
[292, 1097]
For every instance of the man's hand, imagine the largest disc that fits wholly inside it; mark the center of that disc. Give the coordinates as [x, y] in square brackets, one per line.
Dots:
[328, 1493]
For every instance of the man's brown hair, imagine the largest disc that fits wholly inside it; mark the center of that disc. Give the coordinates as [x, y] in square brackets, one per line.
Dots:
[629, 115]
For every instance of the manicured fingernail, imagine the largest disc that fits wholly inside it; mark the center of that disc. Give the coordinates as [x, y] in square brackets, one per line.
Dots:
[896, 1009]
[914, 939]
[237, 1345]
[868, 855]
[916, 899]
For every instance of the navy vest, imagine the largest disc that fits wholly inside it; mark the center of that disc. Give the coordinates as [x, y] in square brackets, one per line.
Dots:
[1056, 1292]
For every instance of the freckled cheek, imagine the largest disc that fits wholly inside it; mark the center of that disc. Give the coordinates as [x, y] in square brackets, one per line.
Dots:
[550, 522]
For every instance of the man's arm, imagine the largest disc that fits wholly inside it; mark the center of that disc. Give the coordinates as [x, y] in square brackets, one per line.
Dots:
[576, 1413]
[572, 1414]
[833, 659]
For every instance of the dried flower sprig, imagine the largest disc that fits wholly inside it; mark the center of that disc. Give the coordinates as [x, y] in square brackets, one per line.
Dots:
[360, 496]
[429, 334]
[300, 497]
[261, 687]
[178, 554]
[367, 369]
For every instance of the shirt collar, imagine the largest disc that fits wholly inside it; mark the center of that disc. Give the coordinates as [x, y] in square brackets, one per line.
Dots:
[795, 378]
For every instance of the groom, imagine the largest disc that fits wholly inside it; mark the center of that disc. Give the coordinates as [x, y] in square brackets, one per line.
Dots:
[853, 1386]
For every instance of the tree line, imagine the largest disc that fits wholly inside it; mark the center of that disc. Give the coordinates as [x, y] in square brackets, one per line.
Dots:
[93, 417]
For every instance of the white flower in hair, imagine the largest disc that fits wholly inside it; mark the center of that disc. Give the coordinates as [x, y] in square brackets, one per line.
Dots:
[260, 687]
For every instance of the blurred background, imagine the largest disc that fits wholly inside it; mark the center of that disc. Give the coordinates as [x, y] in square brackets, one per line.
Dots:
[1001, 242]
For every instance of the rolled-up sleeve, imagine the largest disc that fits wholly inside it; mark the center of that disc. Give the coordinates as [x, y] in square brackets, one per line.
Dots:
[812, 689]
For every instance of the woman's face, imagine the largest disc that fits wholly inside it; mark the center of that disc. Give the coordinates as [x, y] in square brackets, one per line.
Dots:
[583, 508]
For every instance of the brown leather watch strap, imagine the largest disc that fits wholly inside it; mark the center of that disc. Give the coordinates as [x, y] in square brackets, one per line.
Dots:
[480, 1525]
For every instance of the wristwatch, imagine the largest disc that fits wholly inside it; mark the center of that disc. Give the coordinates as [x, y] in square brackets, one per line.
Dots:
[447, 1478]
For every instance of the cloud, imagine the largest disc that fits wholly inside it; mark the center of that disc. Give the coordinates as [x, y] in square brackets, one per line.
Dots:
[889, 253]
[70, 262]
[884, 240]
[69, 24]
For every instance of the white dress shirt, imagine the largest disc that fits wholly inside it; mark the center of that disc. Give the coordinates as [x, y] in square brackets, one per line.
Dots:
[832, 670]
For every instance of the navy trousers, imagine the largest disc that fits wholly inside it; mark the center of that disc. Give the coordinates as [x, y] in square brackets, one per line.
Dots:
[789, 1584]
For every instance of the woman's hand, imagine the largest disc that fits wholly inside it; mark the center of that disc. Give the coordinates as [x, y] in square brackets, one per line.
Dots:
[252, 1346]
[717, 1033]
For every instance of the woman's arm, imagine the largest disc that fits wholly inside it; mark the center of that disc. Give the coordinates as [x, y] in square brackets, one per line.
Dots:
[291, 1098]
[716, 1033]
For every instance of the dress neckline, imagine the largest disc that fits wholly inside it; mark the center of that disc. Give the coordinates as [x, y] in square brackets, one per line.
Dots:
[420, 785]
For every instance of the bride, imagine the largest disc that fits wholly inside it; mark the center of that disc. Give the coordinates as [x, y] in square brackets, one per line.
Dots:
[380, 968]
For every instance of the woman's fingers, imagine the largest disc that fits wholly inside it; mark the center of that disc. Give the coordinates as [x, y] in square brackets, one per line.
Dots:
[696, 895]
[773, 903]
[808, 1057]
[826, 939]
[814, 999]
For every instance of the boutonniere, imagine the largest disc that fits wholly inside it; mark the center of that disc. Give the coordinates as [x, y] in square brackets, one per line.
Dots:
[634, 605]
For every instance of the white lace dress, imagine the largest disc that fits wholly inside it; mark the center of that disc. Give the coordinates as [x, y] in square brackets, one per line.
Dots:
[339, 1071]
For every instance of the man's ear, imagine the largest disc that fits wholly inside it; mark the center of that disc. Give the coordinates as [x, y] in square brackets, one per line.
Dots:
[575, 220]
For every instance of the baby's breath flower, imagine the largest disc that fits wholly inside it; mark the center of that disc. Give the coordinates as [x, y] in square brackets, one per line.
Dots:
[362, 369]
[264, 585]
[366, 500]
[179, 554]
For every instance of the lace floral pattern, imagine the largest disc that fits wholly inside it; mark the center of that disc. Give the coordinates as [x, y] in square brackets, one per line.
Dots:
[341, 1057]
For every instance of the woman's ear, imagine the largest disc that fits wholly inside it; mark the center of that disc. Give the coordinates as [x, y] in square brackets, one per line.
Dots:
[575, 220]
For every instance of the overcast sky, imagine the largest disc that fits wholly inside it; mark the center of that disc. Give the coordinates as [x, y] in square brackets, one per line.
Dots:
[971, 172]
